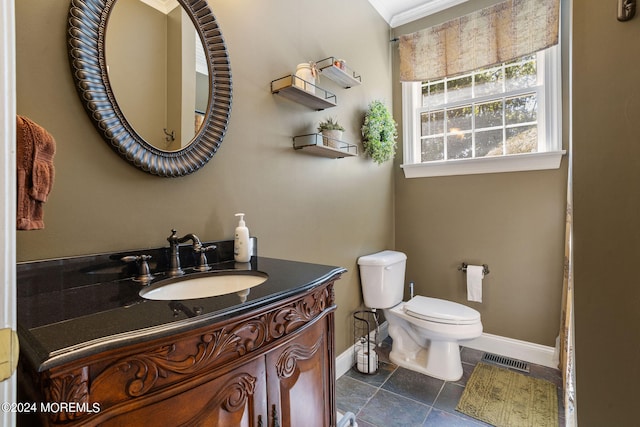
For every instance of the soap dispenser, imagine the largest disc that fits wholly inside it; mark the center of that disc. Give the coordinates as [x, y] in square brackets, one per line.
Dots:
[242, 244]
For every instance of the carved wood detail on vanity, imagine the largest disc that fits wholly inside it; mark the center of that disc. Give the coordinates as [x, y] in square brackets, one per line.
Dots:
[69, 387]
[288, 360]
[140, 372]
[160, 368]
[233, 396]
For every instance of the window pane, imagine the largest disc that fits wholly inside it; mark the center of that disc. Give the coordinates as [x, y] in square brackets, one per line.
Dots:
[488, 114]
[459, 146]
[522, 139]
[489, 143]
[432, 123]
[433, 94]
[521, 73]
[459, 88]
[459, 119]
[432, 149]
[488, 82]
[521, 109]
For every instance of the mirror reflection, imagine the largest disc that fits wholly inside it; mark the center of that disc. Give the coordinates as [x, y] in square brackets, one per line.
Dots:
[158, 72]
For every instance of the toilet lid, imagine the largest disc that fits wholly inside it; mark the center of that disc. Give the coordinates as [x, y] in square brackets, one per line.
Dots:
[441, 311]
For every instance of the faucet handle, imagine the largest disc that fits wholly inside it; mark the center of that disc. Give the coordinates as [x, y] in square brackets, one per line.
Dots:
[199, 250]
[202, 248]
[144, 273]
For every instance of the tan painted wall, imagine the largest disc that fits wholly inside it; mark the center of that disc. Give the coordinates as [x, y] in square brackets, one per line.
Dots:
[514, 222]
[299, 206]
[606, 213]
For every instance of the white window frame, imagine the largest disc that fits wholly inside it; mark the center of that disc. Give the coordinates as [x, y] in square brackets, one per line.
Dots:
[549, 126]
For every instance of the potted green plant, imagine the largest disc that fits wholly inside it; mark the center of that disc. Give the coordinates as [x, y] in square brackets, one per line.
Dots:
[379, 133]
[331, 131]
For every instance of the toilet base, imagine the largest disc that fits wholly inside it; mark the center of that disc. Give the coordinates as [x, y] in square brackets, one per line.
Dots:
[428, 347]
[439, 360]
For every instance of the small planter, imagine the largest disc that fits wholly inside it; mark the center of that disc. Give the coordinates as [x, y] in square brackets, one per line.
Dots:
[332, 138]
[332, 132]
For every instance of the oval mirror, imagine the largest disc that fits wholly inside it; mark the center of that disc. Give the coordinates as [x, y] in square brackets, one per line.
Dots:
[155, 139]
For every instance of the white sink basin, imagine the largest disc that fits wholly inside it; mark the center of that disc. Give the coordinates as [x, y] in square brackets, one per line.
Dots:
[203, 286]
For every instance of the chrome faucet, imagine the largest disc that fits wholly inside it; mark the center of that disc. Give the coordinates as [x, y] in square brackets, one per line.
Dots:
[174, 253]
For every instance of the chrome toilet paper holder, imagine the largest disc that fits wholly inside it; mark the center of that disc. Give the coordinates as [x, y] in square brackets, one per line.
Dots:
[463, 268]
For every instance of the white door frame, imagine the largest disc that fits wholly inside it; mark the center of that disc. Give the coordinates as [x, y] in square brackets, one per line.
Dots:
[7, 190]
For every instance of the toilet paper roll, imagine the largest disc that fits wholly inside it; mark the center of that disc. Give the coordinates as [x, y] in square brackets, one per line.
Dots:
[475, 274]
[367, 361]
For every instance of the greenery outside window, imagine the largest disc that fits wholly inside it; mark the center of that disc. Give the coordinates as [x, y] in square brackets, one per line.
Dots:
[501, 118]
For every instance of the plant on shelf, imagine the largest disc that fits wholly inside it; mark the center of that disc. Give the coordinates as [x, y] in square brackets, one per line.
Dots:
[379, 133]
[330, 124]
[331, 131]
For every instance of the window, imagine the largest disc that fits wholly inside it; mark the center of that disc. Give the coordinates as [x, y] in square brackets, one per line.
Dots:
[497, 119]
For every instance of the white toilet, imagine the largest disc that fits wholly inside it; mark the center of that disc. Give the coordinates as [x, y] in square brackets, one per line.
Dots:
[425, 331]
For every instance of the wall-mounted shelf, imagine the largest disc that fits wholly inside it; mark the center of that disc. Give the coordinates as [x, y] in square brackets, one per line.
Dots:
[315, 143]
[303, 92]
[339, 72]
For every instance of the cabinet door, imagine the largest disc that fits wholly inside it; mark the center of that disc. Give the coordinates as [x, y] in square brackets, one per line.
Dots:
[298, 380]
[234, 399]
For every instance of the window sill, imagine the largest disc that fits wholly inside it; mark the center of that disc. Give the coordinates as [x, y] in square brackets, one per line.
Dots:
[498, 164]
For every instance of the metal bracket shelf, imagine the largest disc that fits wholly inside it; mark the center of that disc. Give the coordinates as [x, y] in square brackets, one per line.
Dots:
[315, 143]
[339, 72]
[303, 92]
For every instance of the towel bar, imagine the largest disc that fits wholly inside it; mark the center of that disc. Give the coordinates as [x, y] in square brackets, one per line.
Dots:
[463, 268]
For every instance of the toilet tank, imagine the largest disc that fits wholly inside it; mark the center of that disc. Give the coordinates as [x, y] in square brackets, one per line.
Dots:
[382, 278]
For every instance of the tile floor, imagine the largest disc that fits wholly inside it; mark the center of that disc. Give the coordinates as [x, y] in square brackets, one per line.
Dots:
[397, 397]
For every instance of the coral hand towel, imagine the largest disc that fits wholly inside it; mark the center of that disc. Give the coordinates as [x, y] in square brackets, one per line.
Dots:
[475, 274]
[34, 163]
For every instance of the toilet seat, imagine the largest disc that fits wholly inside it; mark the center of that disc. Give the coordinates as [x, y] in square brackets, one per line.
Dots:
[440, 311]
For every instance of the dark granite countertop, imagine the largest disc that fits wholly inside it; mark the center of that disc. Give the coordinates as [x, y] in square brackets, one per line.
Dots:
[72, 308]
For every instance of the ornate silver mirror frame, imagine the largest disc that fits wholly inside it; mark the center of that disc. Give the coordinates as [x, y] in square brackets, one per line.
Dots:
[86, 35]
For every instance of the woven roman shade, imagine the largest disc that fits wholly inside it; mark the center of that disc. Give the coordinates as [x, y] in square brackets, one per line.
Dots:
[493, 35]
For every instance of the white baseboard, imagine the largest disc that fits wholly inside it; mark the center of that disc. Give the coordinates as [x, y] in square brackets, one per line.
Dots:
[509, 347]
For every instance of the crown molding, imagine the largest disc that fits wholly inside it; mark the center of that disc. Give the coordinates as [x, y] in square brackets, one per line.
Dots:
[381, 6]
[426, 9]
[164, 6]
[399, 12]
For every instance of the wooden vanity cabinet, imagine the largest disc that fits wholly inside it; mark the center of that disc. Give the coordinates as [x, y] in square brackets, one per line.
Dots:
[237, 398]
[300, 391]
[273, 367]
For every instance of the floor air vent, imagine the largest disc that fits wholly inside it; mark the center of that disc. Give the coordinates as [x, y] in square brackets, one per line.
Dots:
[507, 362]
